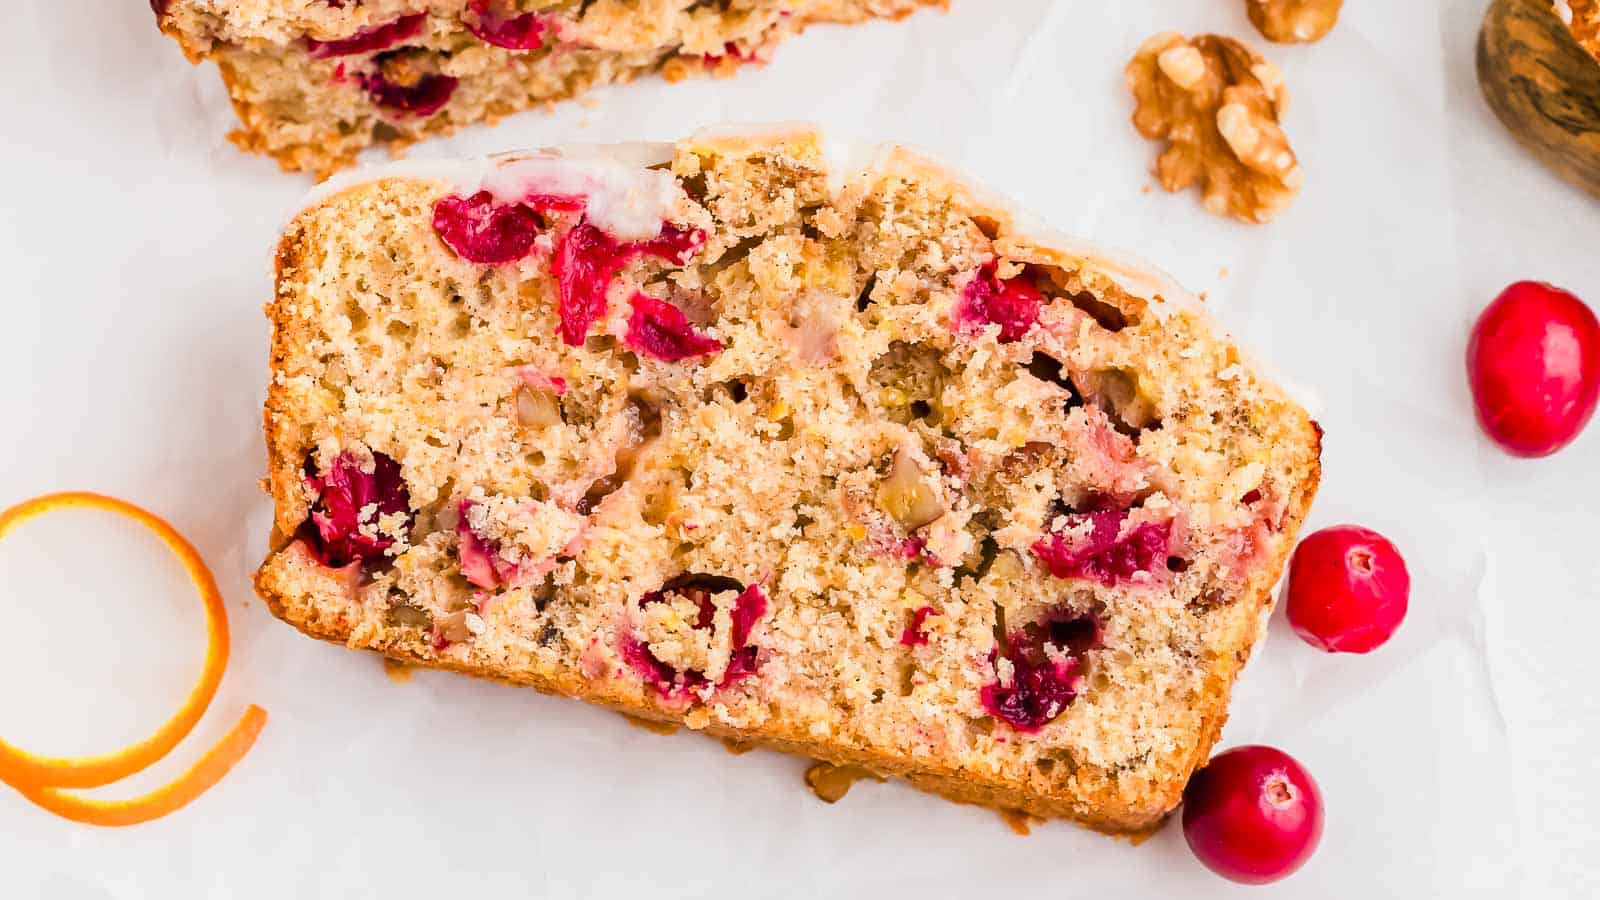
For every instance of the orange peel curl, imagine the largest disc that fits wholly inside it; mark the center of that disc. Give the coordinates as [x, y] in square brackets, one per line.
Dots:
[41, 779]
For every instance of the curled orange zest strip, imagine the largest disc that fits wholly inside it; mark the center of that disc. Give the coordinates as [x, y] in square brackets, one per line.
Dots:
[167, 799]
[39, 778]
[18, 767]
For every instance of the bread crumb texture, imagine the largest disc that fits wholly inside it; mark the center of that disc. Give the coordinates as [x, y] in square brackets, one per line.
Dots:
[314, 82]
[849, 465]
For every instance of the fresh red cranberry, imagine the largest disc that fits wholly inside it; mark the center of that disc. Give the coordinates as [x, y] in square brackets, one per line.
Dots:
[748, 608]
[424, 98]
[1046, 671]
[1013, 304]
[659, 329]
[914, 635]
[1105, 555]
[343, 525]
[482, 231]
[587, 259]
[513, 32]
[481, 560]
[1348, 589]
[1252, 815]
[1534, 364]
[369, 40]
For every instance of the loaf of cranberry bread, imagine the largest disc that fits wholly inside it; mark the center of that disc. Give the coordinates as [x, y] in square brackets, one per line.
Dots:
[316, 81]
[820, 449]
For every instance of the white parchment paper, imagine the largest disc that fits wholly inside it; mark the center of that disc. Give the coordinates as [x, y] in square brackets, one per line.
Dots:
[1455, 763]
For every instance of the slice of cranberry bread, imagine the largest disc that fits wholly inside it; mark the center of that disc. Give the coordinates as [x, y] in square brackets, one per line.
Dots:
[825, 451]
[316, 81]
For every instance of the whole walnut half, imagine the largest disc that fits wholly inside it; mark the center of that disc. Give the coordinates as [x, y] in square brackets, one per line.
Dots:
[1294, 21]
[1216, 103]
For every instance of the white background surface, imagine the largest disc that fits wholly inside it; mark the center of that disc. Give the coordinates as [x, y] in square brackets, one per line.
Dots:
[1456, 762]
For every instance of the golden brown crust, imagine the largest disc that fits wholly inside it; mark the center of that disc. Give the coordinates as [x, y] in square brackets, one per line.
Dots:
[949, 783]
[314, 599]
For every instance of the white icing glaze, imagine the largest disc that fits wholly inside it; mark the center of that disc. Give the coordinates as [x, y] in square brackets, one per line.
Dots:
[1309, 398]
[629, 200]
[625, 199]
[846, 161]
[640, 154]
[850, 162]
[458, 172]
[761, 130]
[1130, 272]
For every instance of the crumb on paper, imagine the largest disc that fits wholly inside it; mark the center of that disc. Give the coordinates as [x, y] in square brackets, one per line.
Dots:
[1020, 823]
[398, 672]
[831, 783]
